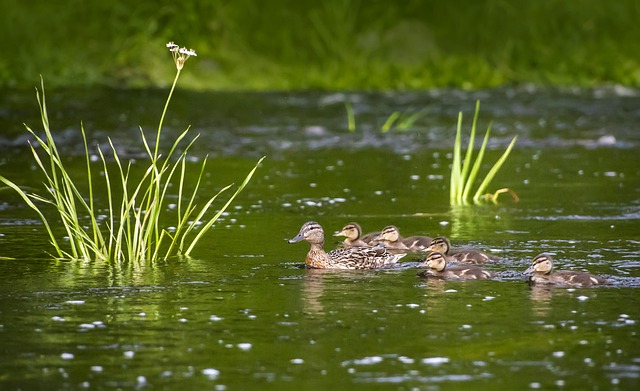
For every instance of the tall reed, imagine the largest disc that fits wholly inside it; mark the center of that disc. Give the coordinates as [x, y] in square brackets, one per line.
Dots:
[463, 174]
[132, 229]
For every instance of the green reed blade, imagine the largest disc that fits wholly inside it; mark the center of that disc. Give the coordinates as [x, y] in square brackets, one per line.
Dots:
[455, 189]
[389, 122]
[407, 123]
[476, 166]
[487, 180]
[351, 118]
[469, 155]
[26, 198]
[208, 225]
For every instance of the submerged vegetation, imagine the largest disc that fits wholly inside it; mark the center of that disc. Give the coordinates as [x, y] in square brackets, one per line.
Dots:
[132, 228]
[333, 44]
[463, 174]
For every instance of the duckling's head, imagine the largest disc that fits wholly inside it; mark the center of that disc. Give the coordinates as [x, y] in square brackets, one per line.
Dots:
[436, 261]
[351, 231]
[439, 244]
[388, 234]
[541, 264]
[311, 232]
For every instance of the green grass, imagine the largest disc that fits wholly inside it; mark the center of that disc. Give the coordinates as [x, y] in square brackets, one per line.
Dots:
[464, 172]
[333, 44]
[132, 230]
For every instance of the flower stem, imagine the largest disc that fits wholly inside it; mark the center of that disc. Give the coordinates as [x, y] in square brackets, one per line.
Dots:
[166, 105]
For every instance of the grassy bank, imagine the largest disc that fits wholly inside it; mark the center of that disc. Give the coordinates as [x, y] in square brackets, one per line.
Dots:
[349, 44]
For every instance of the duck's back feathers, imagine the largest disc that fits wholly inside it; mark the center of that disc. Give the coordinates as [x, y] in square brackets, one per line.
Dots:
[471, 256]
[466, 272]
[571, 278]
[436, 264]
[361, 258]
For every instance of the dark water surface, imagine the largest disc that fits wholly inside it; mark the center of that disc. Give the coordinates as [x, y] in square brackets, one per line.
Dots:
[243, 314]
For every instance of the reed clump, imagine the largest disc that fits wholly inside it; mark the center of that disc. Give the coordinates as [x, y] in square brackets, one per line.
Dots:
[464, 172]
[131, 230]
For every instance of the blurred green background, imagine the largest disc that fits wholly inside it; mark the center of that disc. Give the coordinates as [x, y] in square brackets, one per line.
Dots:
[329, 44]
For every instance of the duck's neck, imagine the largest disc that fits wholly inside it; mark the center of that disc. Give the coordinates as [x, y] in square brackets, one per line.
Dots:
[316, 257]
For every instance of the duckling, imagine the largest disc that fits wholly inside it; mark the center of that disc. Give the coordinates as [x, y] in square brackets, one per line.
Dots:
[442, 245]
[353, 232]
[390, 237]
[437, 267]
[540, 273]
[344, 258]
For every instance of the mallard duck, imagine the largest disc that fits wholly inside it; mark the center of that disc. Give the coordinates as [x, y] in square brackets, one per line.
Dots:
[353, 232]
[390, 237]
[344, 258]
[470, 255]
[540, 273]
[437, 267]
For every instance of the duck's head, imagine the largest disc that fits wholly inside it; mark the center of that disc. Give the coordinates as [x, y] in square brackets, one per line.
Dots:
[541, 264]
[390, 233]
[436, 261]
[351, 231]
[439, 244]
[311, 232]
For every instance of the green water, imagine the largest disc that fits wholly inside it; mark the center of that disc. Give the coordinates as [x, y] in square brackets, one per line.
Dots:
[243, 313]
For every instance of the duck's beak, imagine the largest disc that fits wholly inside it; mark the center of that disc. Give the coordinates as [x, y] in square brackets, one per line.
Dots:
[377, 237]
[296, 238]
[341, 233]
[529, 270]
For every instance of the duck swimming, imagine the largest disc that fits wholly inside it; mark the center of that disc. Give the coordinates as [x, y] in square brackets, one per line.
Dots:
[437, 267]
[354, 238]
[390, 237]
[540, 273]
[344, 258]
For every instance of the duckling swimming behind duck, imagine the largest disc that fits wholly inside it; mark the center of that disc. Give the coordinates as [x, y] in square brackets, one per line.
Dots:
[471, 255]
[540, 273]
[390, 237]
[437, 267]
[345, 258]
[354, 238]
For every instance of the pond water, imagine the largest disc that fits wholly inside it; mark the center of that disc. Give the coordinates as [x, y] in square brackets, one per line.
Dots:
[242, 312]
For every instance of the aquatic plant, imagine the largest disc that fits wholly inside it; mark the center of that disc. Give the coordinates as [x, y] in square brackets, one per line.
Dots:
[131, 231]
[396, 120]
[402, 121]
[463, 174]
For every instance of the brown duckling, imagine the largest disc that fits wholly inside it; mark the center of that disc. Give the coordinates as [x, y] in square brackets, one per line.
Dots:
[466, 255]
[354, 238]
[540, 273]
[390, 237]
[344, 258]
[437, 267]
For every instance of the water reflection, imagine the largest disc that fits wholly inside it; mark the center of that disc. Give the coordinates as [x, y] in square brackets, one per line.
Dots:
[313, 289]
[541, 296]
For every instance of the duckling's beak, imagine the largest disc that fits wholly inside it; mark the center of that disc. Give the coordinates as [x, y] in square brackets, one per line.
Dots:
[341, 233]
[377, 237]
[529, 270]
[427, 249]
[296, 238]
